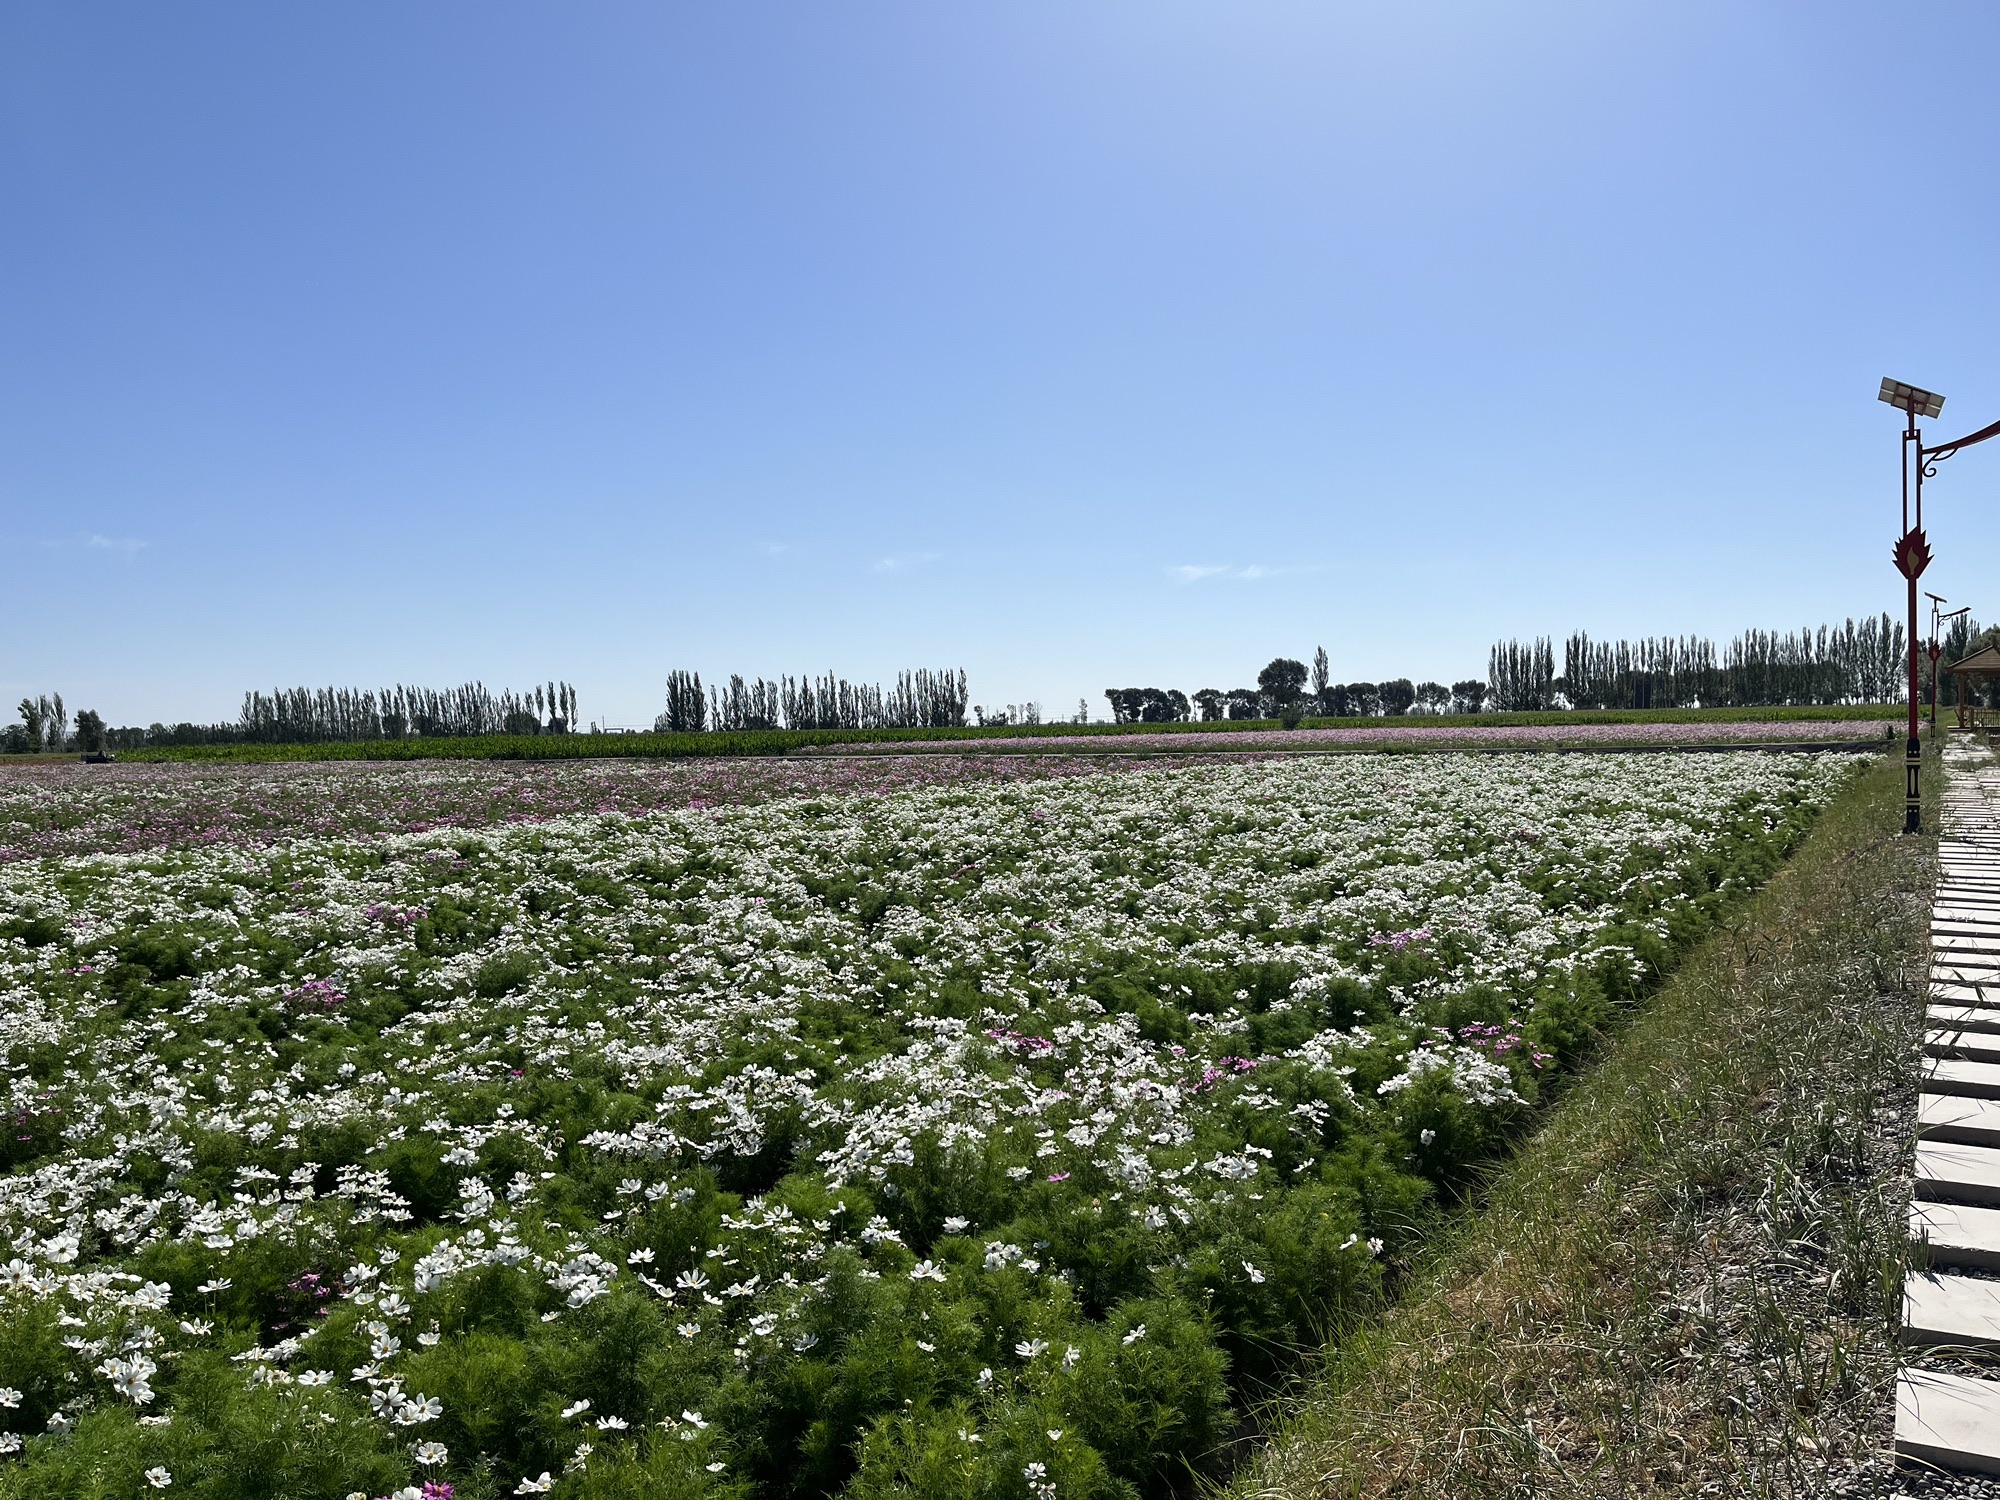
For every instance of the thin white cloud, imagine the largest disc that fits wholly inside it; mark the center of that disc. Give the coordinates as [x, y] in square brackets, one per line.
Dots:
[904, 562]
[93, 541]
[1196, 572]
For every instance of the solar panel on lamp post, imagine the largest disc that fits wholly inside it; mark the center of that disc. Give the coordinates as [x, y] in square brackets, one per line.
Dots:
[1913, 555]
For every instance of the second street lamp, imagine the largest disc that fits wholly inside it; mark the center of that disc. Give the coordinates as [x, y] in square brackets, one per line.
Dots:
[1913, 550]
[1939, 614]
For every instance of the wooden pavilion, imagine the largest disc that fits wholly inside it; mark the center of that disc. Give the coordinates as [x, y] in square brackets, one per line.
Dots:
[1980, 668]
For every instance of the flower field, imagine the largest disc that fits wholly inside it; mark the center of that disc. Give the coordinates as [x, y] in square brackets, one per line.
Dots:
[996, 1135]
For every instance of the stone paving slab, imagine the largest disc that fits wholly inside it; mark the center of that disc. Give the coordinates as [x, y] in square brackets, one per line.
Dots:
[1943, 1310]
[1965, 994]
[1955, 1234]
[1948, 1075]
[1984, 966]
[1952, 1117]
[1949, 1420]
[1958, 972]
[1958, 1173]
[1971, 1045]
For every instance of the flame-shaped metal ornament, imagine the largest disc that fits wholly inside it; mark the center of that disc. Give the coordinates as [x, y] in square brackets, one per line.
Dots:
[1913, 554]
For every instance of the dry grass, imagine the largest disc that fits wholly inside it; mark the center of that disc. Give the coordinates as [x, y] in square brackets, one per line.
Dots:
[1687, 1283]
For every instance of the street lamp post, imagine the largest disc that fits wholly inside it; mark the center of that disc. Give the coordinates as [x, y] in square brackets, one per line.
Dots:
[1913, 551]
[1938, 616]
[1913, 555]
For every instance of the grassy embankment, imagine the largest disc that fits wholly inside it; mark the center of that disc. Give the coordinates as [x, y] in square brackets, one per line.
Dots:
[1687, 1283]
[782, 741]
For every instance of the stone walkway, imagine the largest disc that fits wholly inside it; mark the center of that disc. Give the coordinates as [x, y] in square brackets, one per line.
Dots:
[1951, 1295]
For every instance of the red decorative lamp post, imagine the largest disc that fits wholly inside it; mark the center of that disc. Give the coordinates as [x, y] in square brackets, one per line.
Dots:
[1913, 550]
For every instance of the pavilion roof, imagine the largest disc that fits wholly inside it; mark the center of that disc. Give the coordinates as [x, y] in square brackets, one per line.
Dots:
[1982, 661]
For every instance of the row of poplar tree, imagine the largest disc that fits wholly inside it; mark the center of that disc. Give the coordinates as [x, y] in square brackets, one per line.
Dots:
[1856, 662]
[916, 700]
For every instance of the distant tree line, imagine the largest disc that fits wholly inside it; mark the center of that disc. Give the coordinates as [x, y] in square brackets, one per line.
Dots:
[1286, 688]
[1851, 663]
[304, 716]
[295, 716]
[319, 715]
[46, 728]
[1855, 662]
[917, 700]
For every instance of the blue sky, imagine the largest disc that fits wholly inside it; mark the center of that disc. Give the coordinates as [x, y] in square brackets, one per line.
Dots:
[1081, 345]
